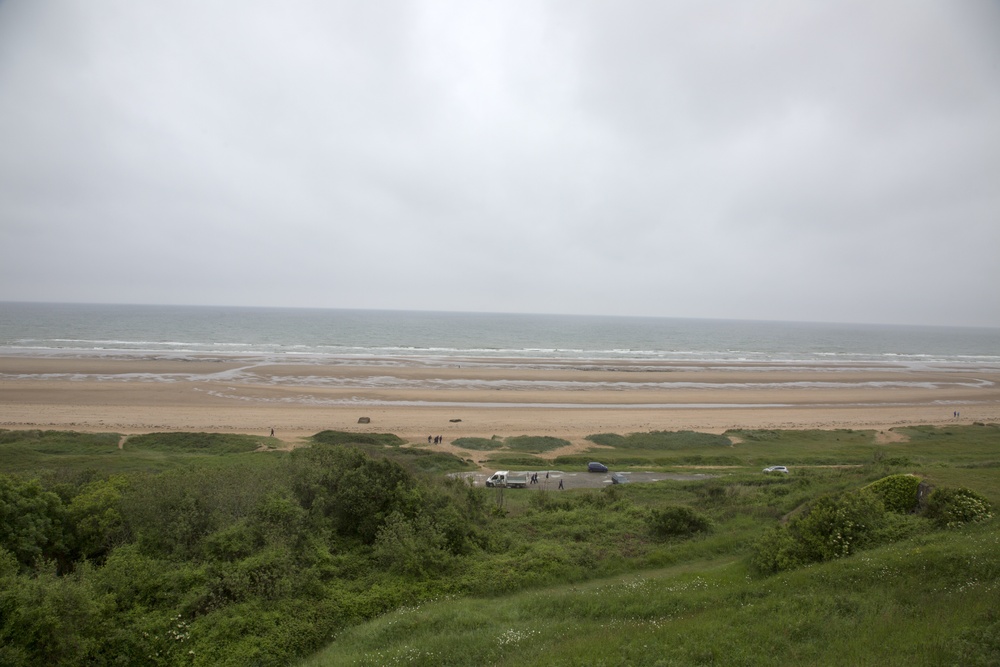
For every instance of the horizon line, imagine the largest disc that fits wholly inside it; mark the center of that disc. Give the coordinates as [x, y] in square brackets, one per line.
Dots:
[506, 313]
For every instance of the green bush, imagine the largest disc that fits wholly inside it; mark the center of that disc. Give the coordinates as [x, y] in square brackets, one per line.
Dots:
[94, 517]
[953, 507]
[677, 521]
[837, 526]
[411, 547]
[897, 492]
[832, 527]
[344, 488]
[31, 520]
[776, 551]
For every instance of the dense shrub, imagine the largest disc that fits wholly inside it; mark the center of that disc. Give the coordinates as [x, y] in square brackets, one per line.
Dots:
[953, 507]
[171, 513]
[832, 527]
[677, 521]
[31, 520]
[837, 526]
[94, 517]
[776, 551]
[897, 492]
[412, 547]
[349, 491]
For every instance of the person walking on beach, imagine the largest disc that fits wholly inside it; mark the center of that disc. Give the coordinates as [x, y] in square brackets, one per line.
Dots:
[560, 485]
[272, 432]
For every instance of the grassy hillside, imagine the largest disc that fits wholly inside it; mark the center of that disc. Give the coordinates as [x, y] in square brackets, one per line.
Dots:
[213, 550]
[48, 454]
[930, 600]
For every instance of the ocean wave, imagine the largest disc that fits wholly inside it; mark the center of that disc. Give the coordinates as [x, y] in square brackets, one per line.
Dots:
[247, 376]
[330, 335]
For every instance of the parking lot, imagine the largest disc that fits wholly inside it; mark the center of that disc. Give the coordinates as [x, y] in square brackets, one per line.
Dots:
[549, 479]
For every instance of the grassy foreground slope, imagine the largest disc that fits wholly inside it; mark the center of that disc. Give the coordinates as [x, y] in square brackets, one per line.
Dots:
[930, 600]
[198, 549]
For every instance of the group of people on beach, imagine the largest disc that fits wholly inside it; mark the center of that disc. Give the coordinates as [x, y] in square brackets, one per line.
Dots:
[437, 439]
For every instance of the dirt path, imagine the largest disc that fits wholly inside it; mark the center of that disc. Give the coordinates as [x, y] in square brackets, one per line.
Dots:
[884, 437]
[481, 456]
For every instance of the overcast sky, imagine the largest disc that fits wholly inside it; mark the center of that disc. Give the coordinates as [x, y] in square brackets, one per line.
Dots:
[827, 161]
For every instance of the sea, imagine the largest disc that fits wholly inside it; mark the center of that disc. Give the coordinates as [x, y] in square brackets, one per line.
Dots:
[376, 336]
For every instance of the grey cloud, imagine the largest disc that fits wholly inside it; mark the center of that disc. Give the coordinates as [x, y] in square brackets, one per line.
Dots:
[770, 160]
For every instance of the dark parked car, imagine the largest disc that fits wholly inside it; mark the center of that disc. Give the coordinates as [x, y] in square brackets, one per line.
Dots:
[594, 466]
[619, 478]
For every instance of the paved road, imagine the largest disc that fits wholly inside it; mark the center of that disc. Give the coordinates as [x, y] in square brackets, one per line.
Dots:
[586, 480]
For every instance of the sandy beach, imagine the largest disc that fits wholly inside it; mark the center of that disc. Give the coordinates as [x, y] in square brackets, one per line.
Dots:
[414, 399]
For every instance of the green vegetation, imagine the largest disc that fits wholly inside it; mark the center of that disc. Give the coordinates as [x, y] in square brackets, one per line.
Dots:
[215, 443]
[56, 456]
[927, 601]
[197, 549]
[679, 521]
[833, 527]
[344, 438]
[37, 452]
[534, 444]
[951, 508]
[530, 444]
[479, 444]
[661, 440]
[390, 446]
[898, 493]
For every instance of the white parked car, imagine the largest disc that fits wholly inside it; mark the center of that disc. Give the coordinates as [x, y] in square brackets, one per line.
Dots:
[777, 469]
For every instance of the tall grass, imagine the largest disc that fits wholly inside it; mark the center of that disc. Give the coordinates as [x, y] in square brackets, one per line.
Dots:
[930, 600]
[55, 455]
